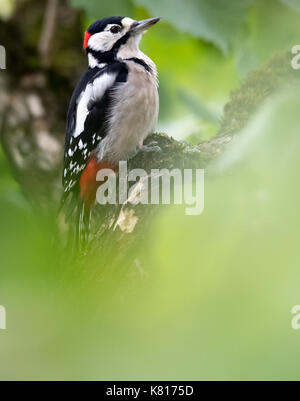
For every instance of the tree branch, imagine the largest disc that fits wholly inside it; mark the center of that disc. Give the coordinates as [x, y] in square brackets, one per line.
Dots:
[44, 46]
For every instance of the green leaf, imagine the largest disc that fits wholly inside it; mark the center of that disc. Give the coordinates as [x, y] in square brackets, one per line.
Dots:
[294, 4]
[97, 9]
[277, 33]
[216, 21]
[198, 107]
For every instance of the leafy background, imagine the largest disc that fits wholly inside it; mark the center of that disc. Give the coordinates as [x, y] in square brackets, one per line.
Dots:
[203, 49]
[215, 295]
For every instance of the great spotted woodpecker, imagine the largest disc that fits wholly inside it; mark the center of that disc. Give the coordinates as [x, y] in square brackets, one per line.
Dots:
[112, 110]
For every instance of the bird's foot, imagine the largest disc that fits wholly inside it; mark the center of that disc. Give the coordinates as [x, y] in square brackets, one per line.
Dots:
[152, 147]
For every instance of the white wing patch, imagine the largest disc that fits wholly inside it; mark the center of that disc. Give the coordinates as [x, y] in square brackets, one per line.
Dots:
[82, 111]
[75, 163]
[92, 93]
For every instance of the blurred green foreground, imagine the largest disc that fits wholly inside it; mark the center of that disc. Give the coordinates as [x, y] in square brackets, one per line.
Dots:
[216, 303]
[211, 297]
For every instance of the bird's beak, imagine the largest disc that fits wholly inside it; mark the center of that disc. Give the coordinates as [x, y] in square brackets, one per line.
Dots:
[143, 25]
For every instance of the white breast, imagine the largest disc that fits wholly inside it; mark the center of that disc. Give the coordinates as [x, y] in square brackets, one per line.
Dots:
[133, 115]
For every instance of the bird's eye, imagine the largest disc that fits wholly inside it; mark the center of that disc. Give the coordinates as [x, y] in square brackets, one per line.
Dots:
[115, 29]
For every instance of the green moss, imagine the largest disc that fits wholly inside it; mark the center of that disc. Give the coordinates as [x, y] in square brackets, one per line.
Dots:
[257, 87]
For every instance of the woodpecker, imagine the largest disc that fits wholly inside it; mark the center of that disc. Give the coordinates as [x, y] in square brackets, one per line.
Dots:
[114, 107]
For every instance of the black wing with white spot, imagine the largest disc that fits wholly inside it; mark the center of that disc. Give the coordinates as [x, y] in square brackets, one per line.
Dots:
[87, 118]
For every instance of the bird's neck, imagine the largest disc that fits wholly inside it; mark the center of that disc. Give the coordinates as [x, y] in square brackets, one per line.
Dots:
[94, 61]
[99, 58]
[127, 51]
[130, 49]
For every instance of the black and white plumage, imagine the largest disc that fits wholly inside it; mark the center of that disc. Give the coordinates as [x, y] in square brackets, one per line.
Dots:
[113, 108]
[88, 117]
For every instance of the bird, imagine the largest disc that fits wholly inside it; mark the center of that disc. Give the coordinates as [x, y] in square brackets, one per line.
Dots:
[114, 107]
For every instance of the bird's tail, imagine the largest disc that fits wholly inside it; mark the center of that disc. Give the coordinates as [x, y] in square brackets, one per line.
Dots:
[83, 227]
[78, 217]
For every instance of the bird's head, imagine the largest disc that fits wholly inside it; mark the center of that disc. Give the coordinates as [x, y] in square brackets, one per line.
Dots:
[113, 37]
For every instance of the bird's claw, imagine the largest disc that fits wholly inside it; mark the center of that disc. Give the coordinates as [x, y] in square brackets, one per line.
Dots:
[152, 147]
